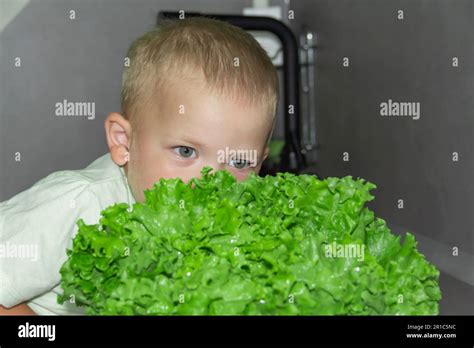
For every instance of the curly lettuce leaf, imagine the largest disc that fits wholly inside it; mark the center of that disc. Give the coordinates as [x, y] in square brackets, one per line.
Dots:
[279, 245]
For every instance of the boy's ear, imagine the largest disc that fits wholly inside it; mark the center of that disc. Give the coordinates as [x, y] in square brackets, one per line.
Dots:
[118, 131]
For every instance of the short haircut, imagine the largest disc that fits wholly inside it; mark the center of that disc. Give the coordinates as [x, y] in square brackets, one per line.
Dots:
[230, 59]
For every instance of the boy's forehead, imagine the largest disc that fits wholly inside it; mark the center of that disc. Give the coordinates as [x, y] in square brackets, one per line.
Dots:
[207, 118]
[191, 99]
[209, 113]
[187, 106]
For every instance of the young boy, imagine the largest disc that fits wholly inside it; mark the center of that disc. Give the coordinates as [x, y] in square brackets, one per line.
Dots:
[195, 88]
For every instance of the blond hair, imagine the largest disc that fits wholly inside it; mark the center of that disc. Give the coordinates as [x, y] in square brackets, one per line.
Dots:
[230, 59]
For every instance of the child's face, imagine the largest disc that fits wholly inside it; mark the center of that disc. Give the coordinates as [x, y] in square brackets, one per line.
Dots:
[191, 128]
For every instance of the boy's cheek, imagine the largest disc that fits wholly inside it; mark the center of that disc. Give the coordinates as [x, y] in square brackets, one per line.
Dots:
[167, 171]
[153, 170]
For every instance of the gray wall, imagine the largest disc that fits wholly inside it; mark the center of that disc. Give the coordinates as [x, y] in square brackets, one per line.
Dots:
[406, 60]
[77, 60]
[402, 60]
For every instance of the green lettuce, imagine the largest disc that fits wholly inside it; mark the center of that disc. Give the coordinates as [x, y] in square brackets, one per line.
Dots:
[278, 245]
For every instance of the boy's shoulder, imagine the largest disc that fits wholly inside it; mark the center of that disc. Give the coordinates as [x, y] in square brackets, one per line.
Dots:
[106, 180]
[102, 179]
[43, 218]
[101, 170]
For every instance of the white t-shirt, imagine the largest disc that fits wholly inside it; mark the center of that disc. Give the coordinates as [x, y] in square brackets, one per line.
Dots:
[39, 224]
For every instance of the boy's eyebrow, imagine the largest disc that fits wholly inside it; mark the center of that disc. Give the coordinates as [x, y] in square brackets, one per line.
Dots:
[191, 141]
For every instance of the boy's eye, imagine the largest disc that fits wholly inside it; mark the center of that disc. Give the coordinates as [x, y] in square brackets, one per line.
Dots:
[184, 151]
[239, 164]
